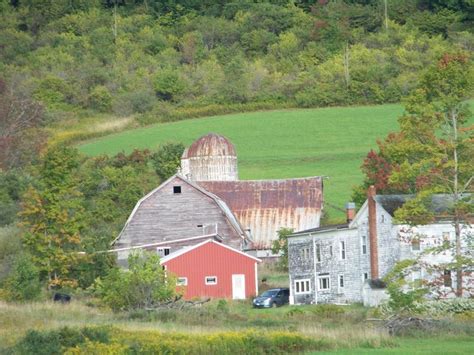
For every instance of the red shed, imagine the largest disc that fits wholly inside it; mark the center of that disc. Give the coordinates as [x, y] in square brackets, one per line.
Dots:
[212, 269]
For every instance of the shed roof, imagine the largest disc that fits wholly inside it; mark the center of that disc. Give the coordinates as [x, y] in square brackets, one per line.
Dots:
[193, 247]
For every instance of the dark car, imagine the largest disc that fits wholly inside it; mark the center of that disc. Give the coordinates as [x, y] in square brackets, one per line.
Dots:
[272, 298]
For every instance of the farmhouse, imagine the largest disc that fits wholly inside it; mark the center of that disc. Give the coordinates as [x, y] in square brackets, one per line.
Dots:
[342, 263]
[212, 269]
[206, 200]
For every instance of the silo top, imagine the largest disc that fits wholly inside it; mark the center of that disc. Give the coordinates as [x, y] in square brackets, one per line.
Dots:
[211, 145]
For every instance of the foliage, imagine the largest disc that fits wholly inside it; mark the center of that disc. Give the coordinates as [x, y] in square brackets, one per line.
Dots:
[144, 285]
[21, 136]
[23, 282]
[167, 159]
[100, 99]
[57, 341]
[404, 295]
[280, 246]
[52, 217]
[222, 342]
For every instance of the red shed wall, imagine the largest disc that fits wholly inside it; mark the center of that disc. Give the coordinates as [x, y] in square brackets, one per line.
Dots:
[211, 259]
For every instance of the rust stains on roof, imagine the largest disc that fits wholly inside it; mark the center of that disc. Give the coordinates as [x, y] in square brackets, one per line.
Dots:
[210, 145]
[264, 206]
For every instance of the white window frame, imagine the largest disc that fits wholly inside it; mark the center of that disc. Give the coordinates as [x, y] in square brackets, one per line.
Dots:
[340, 289]
[302, 286]
[363, 246]
[305, 252]
[342, 250]
[206, 281]
[182, 281]
[320, 278]
[163, 254]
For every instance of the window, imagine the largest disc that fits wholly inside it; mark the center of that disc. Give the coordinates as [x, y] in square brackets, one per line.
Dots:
[211, 280]
[176, 189]
[447, 280]
[340, 283]
[342, 250]
[162, 251]
[302, 286]
[366, 276]
[330, 250]
[182, 281]
[382, 219]
[305, 253]
[318, 253]
[415, 245]
[364, 244]
[324, 282]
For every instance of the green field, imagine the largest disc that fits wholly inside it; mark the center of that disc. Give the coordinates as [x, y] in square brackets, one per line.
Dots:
[331, 142]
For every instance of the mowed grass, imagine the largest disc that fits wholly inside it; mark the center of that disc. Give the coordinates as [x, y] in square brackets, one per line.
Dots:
[329, 142]
[417, 346]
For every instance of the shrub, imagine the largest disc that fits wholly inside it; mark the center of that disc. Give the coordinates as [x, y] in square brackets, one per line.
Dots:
[100, 99]
[23, 283]
[328, 310]
[55, 341]
[144, 285]
[168, 84]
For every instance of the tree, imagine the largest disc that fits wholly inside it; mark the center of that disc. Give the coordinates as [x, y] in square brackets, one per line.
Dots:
[23, 282]
[52, 217]
[280, 246]
[433, 151]
[143, 286]
[20, 135]
[167, 159]
[436, 115]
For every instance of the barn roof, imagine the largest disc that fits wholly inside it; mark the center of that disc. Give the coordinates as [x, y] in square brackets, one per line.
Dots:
[266, 205]
[220, 203]
[190, 248]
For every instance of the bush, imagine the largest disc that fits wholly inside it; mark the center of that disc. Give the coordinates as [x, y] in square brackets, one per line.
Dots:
[100, 99]
[328, 310]
[144, 285]
[23, 283]
[56, 341]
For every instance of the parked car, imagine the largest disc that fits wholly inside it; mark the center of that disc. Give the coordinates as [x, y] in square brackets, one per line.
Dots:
[272, 298]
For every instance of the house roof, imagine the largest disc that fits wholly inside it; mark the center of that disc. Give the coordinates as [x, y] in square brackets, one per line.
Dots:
[190, 248]
[220, 203]
[330, 227]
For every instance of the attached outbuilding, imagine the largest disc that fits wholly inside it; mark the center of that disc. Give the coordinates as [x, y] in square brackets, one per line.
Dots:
[213, 269]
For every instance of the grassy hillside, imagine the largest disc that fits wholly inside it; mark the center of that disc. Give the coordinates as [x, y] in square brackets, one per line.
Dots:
[280, 144]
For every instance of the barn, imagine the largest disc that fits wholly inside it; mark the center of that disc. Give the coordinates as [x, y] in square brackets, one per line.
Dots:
[215, 270]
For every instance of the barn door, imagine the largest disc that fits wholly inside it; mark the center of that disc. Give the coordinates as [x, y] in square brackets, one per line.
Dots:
[238, 287]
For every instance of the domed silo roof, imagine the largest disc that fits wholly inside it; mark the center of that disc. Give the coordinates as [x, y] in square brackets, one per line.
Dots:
[211, 144]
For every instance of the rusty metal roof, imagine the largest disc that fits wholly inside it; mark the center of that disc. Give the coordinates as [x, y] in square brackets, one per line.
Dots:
[264, 206]
[211, 144]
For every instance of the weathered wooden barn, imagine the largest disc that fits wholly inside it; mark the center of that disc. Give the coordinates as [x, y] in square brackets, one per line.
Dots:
[212, 269]
[178, 213]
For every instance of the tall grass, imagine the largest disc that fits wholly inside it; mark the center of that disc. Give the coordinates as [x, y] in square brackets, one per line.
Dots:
[336, 330]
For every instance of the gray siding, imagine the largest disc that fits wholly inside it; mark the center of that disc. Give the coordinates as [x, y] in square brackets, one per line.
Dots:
[166, 216]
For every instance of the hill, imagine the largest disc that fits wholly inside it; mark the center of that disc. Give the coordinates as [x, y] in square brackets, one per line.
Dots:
[279, 144]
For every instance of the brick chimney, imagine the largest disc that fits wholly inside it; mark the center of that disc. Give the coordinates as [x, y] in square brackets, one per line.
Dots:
[350, 211]
[374, 255]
